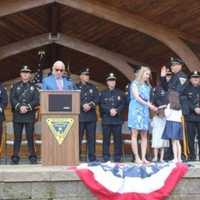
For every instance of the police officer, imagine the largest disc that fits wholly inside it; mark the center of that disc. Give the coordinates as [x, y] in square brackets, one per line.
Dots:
[177, 83]
[178, 80]
[159, 95]
[191, 109]
[112, 102]
[24, 98]
[3, 104]
[127, 94]
[87, 118]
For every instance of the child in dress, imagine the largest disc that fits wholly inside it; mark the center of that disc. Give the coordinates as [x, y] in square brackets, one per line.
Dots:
[173, 128]
[158, 144]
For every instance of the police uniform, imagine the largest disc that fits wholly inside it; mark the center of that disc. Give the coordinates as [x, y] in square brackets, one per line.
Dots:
[190, 100]
[24, 94]
[87, 119]
[127, 94]
[3, 104]
[178, 81]
[159, 95]
[112, 98]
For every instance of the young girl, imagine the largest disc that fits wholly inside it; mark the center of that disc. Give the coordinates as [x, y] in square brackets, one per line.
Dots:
[173, 128]
[158, 125]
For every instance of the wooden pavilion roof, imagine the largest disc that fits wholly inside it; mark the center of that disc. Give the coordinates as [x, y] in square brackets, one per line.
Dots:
[24, 24]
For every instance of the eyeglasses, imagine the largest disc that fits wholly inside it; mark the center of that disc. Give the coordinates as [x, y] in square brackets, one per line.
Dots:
[57, 70]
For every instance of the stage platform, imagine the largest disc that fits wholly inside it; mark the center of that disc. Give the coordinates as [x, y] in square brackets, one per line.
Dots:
[23, 182]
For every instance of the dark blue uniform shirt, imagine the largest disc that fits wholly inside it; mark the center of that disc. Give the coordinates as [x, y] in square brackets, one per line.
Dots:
[112, 99]
[190, 99]
[177, 83]
[3, 101]
[159, 96]
[24, 94]
[89, 94]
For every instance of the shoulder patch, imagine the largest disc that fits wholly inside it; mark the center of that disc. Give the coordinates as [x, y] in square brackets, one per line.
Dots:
[182, 80]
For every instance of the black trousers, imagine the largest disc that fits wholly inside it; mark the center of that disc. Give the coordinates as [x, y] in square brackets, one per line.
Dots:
[193, 129]
[18, 128]
[116, 130]
[90, 129]
[1, 133]
[169, 152]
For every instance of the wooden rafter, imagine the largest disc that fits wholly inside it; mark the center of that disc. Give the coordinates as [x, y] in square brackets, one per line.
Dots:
[169, 37]
[132, 21]
[13, 6]
[118, 61]
[24, 45]
[10, 7]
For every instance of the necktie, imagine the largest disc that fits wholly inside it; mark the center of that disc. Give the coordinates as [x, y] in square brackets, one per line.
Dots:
[59, 83]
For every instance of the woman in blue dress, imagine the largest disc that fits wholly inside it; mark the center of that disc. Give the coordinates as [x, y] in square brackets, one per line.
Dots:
[138, 113]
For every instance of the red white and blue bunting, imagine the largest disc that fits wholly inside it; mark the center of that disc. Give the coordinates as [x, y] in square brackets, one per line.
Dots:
[111, 181]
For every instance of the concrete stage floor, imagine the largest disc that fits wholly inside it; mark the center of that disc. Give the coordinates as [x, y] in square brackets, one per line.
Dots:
[23, 182]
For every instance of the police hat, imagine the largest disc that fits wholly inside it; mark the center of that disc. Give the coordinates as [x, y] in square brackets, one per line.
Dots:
[176, 61]
[195, 74]
[85, 71]
[110, 77]
[25, 68]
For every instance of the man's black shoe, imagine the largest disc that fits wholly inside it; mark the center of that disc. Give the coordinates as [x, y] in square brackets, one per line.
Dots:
[33, 159]
[192, 158]
[15, 160]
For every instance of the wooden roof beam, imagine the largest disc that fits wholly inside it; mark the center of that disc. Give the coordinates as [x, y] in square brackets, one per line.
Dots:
[54, 16]
[24, 45]
[10, 6]
[118, 61]
[138, 23]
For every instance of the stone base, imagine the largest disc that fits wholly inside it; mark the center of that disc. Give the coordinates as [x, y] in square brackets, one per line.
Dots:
[23, 182]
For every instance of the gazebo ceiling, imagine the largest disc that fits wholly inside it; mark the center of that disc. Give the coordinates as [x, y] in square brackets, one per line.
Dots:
[175, 14]
[181, 17]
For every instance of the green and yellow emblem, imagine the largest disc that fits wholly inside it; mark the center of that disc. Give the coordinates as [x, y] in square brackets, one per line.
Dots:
[60, 127]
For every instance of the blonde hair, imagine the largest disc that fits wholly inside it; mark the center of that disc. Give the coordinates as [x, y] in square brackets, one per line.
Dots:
[140, 74]
[58, 62]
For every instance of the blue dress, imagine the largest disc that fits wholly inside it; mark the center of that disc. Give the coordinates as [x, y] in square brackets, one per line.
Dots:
[138, 114]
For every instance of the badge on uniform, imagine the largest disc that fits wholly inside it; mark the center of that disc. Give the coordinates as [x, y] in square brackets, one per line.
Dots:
[182, 80]
[91, 90]
[60, 127]
[162, 92]
[18, 88]
[32, 88]
[118, 98]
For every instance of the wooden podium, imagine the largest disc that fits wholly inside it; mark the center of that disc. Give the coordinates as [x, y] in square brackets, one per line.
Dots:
[57, 107]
